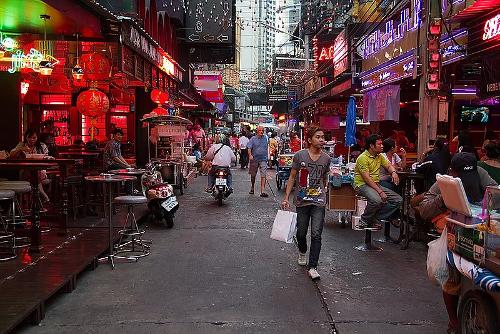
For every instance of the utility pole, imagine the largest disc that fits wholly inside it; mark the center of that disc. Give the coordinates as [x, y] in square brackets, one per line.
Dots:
[428, 108]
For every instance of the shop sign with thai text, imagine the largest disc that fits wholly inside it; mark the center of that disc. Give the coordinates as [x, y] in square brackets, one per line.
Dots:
[397, 37]
[398, 69]
[140, 43]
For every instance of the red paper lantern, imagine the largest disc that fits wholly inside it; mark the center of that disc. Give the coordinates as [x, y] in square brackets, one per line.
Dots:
[158, 96]
[92, 103]
[159, 112]
[95, 66]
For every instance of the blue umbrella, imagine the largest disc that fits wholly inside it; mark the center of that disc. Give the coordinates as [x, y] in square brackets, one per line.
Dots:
[350, 122]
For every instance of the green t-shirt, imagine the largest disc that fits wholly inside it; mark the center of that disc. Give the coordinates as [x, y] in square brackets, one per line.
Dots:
[369, 163]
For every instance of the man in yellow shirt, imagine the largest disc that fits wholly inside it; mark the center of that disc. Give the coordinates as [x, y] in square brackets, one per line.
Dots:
[382, 203]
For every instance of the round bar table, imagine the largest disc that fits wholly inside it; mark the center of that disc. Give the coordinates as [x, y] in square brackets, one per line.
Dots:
[107, 180]
[137, 172]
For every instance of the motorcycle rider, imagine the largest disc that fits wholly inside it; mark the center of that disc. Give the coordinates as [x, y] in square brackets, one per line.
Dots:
[221, 155]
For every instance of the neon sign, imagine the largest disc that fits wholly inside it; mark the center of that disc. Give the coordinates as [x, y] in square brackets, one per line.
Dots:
[326, 53]
[379, 40]
[491, 28]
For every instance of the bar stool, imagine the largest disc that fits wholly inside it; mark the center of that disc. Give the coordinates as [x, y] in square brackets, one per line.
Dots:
[367, 245]
[136, 246]
[7, 239]
[17, 219]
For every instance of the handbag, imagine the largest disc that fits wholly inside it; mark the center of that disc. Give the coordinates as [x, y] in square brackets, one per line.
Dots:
[284, 226]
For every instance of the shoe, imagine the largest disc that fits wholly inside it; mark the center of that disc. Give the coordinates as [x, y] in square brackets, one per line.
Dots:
[251, 192]
[302, 260]
[369, 226]
[313, 273]
[264, 195]
[208, 189]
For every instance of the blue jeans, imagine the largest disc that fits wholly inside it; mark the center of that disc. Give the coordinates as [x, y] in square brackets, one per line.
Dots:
[315, 214]
[375, 207]
[211, 177]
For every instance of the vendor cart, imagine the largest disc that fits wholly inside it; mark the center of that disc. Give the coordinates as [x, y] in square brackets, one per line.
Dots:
[341, 195]
[283, 169]
[473, 235]
[166, 146]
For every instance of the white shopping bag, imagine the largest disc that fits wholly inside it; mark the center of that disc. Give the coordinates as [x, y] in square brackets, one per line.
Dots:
[437, 268]
[284, 226]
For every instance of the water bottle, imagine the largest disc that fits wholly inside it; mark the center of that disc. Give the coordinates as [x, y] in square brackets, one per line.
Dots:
[341, 159]
[303, 176]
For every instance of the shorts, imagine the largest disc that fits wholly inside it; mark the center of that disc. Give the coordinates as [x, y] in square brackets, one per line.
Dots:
[258, 165]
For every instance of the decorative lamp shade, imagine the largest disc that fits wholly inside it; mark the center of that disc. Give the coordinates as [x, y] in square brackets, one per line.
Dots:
[158, 96]
[95, 66]
[92, 103]
[159, 112]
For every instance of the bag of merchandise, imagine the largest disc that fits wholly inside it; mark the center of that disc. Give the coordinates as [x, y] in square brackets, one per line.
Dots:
[284, 226]
[437, 268]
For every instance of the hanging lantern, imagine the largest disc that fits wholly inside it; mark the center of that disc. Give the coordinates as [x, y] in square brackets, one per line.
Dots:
[158, 96]
[95, 66]
[159, 112]
[92, 103]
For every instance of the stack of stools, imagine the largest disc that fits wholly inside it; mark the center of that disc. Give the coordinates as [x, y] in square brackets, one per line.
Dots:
[16, 218]
[131, 242]
[7, 239]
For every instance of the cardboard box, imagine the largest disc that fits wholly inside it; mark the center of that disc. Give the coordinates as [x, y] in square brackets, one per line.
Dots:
[342, 199]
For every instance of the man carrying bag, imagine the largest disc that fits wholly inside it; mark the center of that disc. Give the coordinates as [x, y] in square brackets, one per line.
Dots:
[309, 174]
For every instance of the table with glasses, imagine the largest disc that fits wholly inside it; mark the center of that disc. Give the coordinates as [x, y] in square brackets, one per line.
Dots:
[108, 180]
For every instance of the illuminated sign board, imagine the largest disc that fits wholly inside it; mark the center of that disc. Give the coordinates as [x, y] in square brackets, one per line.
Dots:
[379, 40]
[454, 46]
[397, 37]
[491, 28]
[140, 43]
[398, 69]
[340, 54]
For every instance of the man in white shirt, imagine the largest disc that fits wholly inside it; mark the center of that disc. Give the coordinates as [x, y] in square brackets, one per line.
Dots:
[221, 155]
[243, 141]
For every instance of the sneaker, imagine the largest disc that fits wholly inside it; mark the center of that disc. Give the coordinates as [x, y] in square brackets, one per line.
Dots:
[313, 273]
[302, 260]
[364, 225]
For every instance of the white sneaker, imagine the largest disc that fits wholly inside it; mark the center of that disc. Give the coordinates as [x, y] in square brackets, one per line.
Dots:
[313, 273]
[302, 260]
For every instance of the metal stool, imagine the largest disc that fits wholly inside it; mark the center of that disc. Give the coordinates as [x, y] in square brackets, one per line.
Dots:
[367, 245]
[16, 216]
[7, 239]
[136, 246]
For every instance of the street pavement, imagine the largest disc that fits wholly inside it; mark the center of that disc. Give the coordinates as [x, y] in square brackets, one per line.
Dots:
[217, 271]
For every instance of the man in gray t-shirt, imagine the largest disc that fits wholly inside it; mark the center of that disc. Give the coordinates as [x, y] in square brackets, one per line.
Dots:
[309, 175]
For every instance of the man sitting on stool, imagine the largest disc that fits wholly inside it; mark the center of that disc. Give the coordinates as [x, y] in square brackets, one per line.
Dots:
[382, 202]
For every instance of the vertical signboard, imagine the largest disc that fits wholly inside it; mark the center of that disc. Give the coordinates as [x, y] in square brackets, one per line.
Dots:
[340, 54]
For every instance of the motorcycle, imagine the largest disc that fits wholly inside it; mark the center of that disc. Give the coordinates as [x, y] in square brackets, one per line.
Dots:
[162, 203]
[221, 190]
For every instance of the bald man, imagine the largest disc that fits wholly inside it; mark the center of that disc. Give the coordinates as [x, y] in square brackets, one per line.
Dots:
[258, 153]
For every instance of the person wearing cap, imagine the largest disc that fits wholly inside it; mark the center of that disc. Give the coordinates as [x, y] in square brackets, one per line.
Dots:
[475, 180]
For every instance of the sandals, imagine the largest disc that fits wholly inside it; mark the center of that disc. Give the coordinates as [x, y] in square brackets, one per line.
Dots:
[264, 195]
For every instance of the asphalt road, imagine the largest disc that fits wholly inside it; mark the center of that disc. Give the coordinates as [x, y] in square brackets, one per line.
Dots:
[217, 271]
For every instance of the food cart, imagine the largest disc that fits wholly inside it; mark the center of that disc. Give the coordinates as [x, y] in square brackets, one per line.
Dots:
[166, 146]
[341, 195]
[473, 238]
[283, 169]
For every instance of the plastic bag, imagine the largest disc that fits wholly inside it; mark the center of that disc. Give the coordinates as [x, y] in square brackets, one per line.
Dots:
[284, 226]
[437, 268]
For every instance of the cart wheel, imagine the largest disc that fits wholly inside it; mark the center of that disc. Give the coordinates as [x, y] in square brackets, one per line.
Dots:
[477, 313]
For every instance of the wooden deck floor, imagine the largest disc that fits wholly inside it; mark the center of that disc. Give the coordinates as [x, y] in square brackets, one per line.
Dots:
[27, 282]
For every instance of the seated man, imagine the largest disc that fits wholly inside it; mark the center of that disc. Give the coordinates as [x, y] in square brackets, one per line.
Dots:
[475, 180]
[382, 203]
[112, 156]
[221, 155]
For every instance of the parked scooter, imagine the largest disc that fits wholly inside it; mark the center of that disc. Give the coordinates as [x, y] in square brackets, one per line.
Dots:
[162, 202]
[221, 190]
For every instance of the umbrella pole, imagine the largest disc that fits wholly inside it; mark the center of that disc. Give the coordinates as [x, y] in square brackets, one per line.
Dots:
[349, 154]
